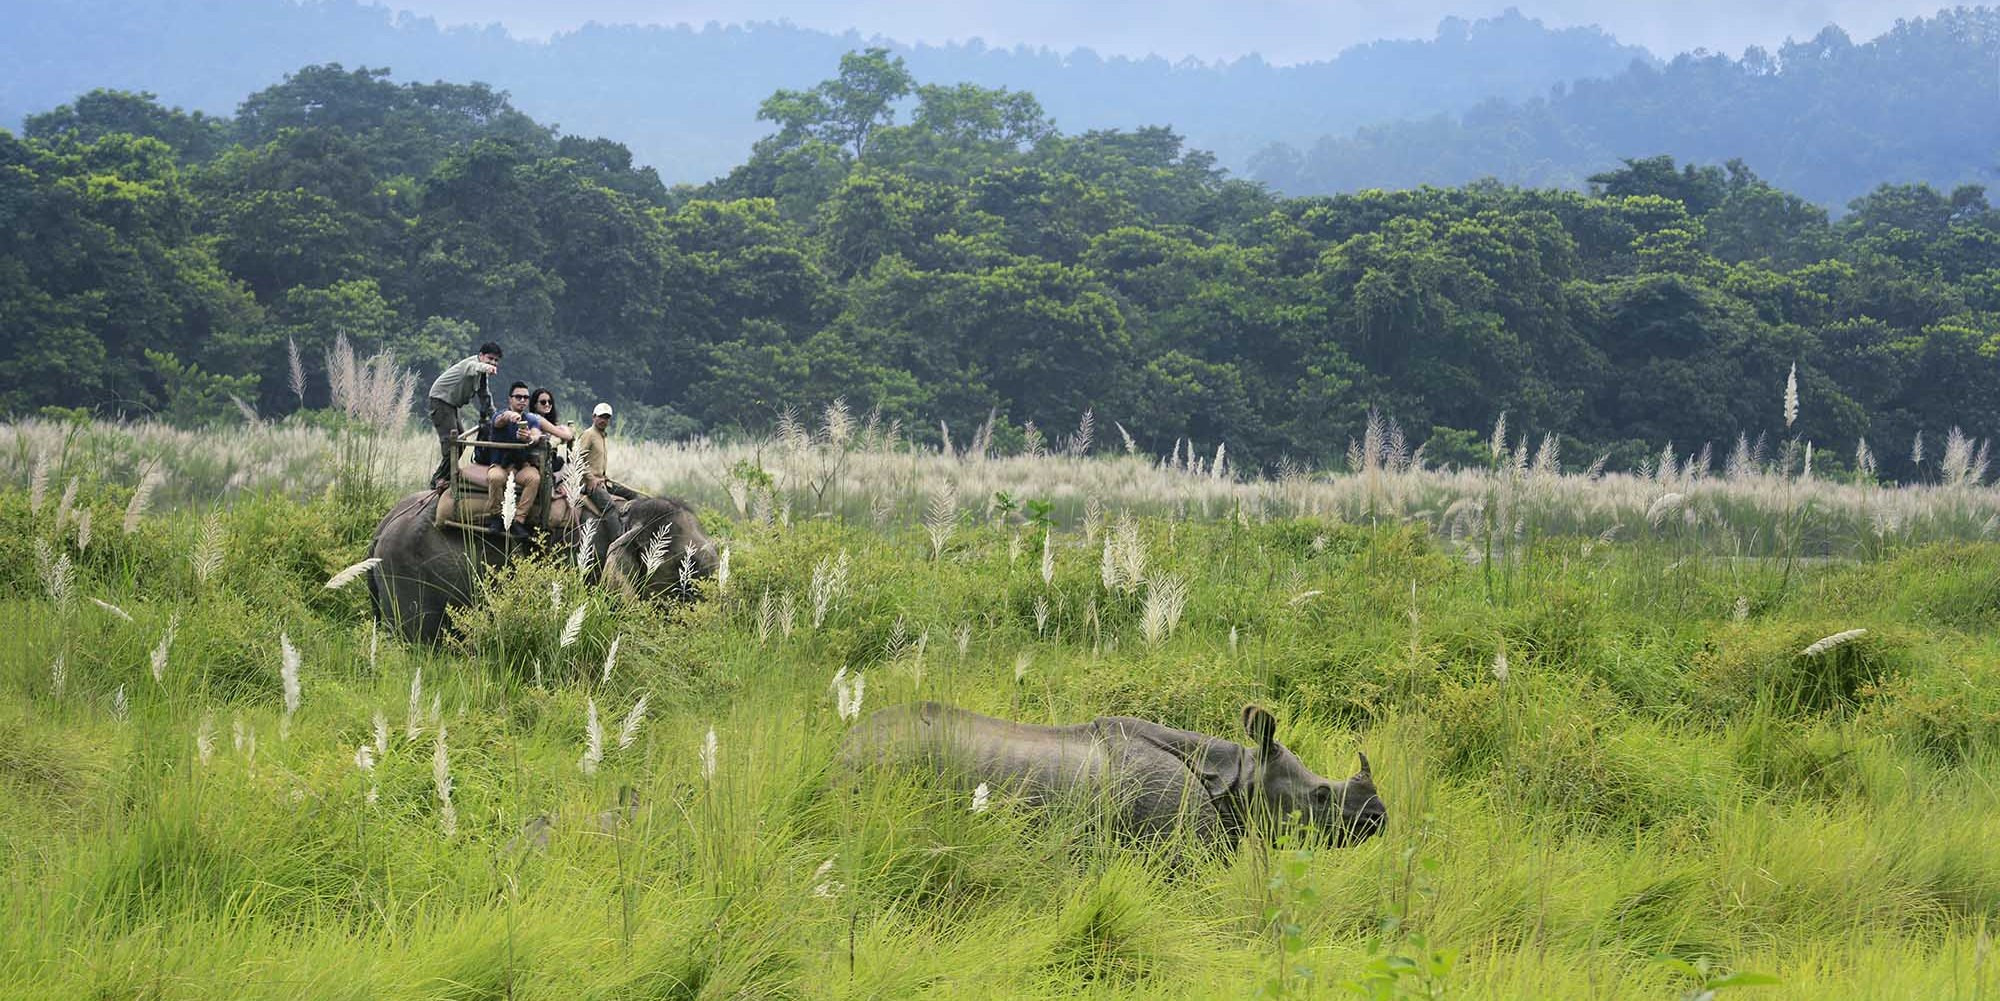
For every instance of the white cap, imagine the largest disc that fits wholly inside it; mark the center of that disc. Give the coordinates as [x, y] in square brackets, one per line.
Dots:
[602, 410]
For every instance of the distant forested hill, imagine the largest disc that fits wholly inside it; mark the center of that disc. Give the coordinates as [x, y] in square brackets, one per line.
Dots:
[685, 99]
[1826, 118]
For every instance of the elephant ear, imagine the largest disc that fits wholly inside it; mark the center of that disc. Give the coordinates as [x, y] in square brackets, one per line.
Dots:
[1262, 728]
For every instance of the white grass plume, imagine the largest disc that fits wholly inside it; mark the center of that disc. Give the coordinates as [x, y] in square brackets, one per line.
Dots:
[611, 658]
[710, 749]
[441, 780]
[1792, 395]
[352, 573]
[510, 501]
[121, 710]
[67, 505]
[829, 582]
[1825, 643]
[1166, 597]
[982, 798]
[593, 739]
[112, 610]
[941, 517]
[208, 550]
[381, 732]
[1048, 557]
[59, 675]
[413, 722]
[142, 499]
[83, 531]
[573, 628]
[655, 555]
[58, 574]
[722, 572]
[160, 651]
[38, 484]
[288, 673]
[586, 547]
[204, 739]
[634, 720]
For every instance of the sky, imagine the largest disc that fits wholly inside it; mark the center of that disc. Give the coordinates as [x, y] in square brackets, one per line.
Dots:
[1283, 31]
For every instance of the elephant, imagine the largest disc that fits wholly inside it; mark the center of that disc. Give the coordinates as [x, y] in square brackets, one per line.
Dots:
[426, 568]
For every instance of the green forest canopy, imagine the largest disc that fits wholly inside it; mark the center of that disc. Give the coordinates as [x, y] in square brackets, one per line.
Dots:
[942, 252]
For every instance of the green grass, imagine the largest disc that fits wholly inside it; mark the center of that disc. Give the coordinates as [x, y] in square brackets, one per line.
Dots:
[1655, 783]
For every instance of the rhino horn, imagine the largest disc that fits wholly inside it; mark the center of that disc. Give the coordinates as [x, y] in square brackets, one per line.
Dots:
[1364, 772]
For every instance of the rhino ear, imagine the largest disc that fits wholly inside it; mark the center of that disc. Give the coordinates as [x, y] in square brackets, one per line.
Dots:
[1261, 726]
[1364, 773]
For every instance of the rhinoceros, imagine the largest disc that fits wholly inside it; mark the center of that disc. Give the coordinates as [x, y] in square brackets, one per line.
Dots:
[1149, 780]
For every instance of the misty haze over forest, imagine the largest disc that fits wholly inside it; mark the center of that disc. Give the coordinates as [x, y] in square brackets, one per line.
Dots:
[1525, 97]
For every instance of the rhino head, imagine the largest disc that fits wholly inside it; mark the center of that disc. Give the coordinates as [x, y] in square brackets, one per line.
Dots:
[1280, 786]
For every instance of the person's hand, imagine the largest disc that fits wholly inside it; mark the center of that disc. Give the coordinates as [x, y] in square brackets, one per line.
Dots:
[534, 435]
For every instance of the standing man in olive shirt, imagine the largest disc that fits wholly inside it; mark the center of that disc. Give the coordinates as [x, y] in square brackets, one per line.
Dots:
[595, 454]
[455, 387]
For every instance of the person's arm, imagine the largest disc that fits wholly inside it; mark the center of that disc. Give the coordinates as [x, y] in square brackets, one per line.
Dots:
[558, 431]
[483, 391]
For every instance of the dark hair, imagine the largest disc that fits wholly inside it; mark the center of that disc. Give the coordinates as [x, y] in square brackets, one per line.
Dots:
[490, 348]
[519, 385]
[536, 395]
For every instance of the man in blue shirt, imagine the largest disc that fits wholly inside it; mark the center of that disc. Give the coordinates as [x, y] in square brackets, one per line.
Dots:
[514, 425]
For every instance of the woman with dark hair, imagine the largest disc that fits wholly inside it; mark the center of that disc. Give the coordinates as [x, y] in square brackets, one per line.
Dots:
[544, 406]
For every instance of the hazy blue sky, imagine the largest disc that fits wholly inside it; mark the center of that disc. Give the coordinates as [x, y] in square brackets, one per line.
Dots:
[1283, 30]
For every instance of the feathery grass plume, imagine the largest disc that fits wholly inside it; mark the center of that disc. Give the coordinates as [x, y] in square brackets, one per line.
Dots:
[1093, 518]
[166, 643]
[142, 498]
[58, 574]
[586, 546]
[1825, 643]
[381, 723]
[838, 426]
[1917, 449]
[847, 695]
[1739, 465]
[245, 410]
[767, 617]
[792, 434]
[573, 628]
[1548, 458]
[593, 739]
[288, 673]
[824, 885]
[1107, 568]
[655, 555]
[709, 749]
[1086, 427]
[1041, 614]
[83, 531]
[510, 501]
[1496, 446]
[964, 638]
[944, 442]
[1014, 548]
[1500, 662]
[437, 708]
[941, 516]
[67, 505]
[441, 780]
[555, 596]
[38, 484]
[1219, 469]
[1806, 474]
[687, 572]
[120, 709]
[1232, 639]
[1742, 609]
[204, 739]
[611, 658]
[59, 675]
[413, 721]
[722, 572]
[112, 609]
[1022, 661]
[208, 550]
[1131, 447]
[1031, 441]
[1663, 508]
[1048, 557]
[1166, 597]
[1956, 464]
[634, 720]
[788, 614]
[1792, 395]
[829, 580]
[981, 798]
[364, 759]
[1302, 597]
[352, 573]
[297, 380]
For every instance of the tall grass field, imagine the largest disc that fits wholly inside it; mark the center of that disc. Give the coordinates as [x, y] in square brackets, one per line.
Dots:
[1711, 729]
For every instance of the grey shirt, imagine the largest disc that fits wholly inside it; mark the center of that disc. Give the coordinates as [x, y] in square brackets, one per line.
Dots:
[457, 385]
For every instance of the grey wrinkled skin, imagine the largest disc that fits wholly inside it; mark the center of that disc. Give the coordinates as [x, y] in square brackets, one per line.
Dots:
[1150, 781]
[425, 570]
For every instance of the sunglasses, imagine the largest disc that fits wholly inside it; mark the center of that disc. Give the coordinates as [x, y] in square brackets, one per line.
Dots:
[518, 396]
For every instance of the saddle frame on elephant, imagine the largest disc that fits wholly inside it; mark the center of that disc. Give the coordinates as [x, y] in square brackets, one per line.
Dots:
[466, 502]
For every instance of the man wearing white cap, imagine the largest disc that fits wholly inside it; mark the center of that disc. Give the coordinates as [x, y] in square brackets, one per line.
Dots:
[595, 454]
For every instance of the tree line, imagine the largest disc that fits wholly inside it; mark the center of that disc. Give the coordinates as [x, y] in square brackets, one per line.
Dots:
[945, 253]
